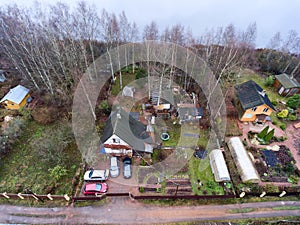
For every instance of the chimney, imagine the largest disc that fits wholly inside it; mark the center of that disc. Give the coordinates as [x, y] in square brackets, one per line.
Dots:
[262, 93]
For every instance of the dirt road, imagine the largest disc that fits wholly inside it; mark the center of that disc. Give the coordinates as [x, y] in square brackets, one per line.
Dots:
[124, 211]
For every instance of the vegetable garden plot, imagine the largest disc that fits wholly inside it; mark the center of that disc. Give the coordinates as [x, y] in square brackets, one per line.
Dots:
[270, 157]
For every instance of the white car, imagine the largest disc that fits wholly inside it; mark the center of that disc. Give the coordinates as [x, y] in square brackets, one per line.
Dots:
[96, 175]
[114, 167]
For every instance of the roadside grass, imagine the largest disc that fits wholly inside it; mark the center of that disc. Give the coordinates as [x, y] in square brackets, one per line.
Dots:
[241, 210]
[127, 78]
[22, 168]
[287, 207]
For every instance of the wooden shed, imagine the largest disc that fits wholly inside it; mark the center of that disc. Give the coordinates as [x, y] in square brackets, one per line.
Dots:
[286, 86]
[16, 98]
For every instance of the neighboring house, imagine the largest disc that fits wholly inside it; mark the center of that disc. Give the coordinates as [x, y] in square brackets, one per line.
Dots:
[286, 86]
[16, 98]
[124, 135]
[218, 166]
[253, 102]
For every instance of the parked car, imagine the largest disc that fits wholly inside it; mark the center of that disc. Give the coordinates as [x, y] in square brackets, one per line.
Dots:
[96, 175]
[114, 167]
[127, 168]
[94, 188]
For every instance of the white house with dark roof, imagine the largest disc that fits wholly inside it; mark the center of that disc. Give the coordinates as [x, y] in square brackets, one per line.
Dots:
[124, 135]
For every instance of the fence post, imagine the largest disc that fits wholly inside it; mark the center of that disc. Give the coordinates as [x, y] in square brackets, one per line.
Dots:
[49, 196]
[67, 197]
[5, 195]
[20, 196]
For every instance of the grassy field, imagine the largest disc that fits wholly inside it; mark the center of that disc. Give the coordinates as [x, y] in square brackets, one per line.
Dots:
[250, 75]
[200, 171]
[127, 78]
[24, 168]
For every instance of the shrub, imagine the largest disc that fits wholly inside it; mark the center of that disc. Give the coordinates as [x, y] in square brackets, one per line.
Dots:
[292, 117]
[282, 126]
[57, 172]
[274, 103]
[269, 81]
[283, 114]
[293, 102]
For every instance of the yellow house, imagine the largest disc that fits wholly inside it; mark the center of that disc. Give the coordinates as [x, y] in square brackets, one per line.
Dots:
[16, 98]
[253, 104]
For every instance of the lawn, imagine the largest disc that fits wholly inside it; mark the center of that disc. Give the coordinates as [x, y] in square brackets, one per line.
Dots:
[127, 78]
[200, 171]
[250, 75]
[24, 168]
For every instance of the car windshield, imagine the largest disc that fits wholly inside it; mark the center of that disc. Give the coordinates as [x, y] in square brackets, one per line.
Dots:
[91, 174]
[98, 187]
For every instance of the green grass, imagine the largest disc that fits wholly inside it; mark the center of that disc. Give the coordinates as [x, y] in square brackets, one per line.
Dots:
[287, 207]
[271, 91]
[200, 170]
[241, 210]
[127, 78]
[23, 168]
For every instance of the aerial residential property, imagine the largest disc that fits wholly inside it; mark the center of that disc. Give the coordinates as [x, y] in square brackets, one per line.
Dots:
[253, 104]
[150, 112]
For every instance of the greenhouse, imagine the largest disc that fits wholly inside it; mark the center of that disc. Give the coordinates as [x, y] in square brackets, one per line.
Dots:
[218, 166]
[242, 161]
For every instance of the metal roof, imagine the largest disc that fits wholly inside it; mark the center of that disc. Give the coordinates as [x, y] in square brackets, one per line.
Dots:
[286, 81]
[251, 95]
[128, 129]
[16, 94]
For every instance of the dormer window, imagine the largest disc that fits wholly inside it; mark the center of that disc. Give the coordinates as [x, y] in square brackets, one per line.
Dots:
[254, 109]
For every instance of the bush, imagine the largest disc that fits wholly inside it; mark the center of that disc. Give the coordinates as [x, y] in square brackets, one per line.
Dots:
[282, 126]
[57, 172]
[292, 117]
[293, 102]
[283, 114]
[274, 103]
[269, 81]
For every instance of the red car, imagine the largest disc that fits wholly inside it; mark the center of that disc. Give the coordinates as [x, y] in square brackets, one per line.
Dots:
[94, 188]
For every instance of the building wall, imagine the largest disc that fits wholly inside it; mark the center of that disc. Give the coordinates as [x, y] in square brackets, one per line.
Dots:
[249, 115]
[12, 105]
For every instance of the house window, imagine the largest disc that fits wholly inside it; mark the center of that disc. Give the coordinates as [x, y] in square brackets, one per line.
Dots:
[254, 109]
[116, 140]
[265, 109]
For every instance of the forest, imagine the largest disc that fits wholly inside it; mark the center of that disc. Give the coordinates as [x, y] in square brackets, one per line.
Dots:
[52, 47]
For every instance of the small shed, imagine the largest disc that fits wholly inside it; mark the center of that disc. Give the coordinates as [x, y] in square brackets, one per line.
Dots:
[218, 166]
[128, 91]
[242, 160]
[286, 85]
[16, 98]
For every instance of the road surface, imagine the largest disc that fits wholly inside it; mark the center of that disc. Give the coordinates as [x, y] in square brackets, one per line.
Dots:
[122, 210]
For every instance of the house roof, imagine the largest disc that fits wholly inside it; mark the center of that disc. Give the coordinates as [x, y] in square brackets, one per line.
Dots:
[251, 95]
[16, 94]
[286, 81]
[128, 129]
